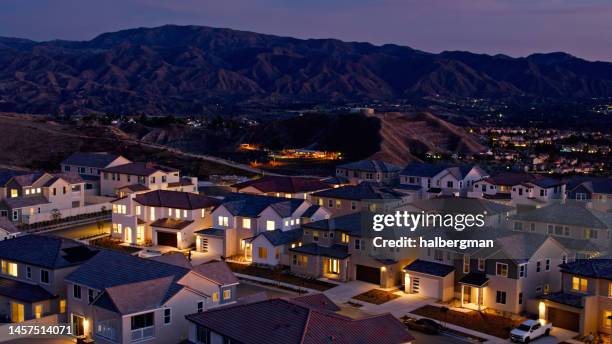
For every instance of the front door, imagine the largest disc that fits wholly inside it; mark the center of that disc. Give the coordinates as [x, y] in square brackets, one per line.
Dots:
[467, 295]
[128, 235]
[17, 312]
[78, 325]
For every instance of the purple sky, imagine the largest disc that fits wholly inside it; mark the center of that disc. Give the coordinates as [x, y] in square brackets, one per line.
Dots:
[514, 27]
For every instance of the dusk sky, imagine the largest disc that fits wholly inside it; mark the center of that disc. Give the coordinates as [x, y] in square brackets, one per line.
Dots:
[514, 27]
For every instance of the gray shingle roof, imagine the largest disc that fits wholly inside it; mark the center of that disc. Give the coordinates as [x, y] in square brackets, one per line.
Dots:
[334, 251]
[570, 213]
[248, 205]
[22, 291]
[94, 159]
[430, 268]
[139, 168]
[570, 299]
[279, 237]
[351, 224]
[362, 191]
[285, 184]
[419, 169]
[45, 251]
[371, 166]
[596, 268]
[176, 199]
[462, 205]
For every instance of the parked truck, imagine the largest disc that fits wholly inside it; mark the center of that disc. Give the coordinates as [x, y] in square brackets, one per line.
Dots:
[530, 330]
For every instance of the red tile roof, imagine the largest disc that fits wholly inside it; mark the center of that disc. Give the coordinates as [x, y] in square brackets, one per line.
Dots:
[284, 184]
[176, 199]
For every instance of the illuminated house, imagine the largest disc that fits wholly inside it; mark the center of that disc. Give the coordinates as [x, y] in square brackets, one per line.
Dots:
[369, 171]
[89, 165]
[425, 180]
[32, 275]
[145, 174]
[162, 217]
[281, 186]
[119, 298]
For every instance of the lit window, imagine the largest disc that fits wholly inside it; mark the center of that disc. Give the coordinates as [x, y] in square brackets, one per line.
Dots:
[227, 294]
[62, 306]
[270, 225]
[607, 319]
[215, 297]
[152, 214]
[246, 223]
[223, 221]
[579, 284]
[138, 210]
[344, 238]
[262, 252]
[12, 269]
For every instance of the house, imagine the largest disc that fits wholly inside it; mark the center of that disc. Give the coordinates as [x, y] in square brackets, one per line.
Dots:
[272, 247]
[281, 186]
[499, 187]
[425, 180]
[7, 229]
[32, 276]
[494, 214]
[147, 174]
[89, 165]
[538, 191]
[583, 229]
[341, 248]
[161, 217]
[369, 171]
[301, 323]
[598, 191]
[584, 304]
[356, 198]
[41, 196]
[242, 216]
[120, 298]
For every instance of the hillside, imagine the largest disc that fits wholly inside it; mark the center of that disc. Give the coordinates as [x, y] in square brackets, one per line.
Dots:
[192, 69]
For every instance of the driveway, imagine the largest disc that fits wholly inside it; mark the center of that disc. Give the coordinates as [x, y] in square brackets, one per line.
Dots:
[557, 335]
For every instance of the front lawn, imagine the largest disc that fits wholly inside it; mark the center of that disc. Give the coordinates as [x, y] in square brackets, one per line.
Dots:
[376, 296]
[490, 324]
[280, 276]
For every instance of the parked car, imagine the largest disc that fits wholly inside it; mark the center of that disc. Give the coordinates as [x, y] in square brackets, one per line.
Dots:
[423, 325]
[530, 330]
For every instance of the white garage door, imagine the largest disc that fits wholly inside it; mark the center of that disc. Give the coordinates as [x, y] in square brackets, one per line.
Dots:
[427, 287]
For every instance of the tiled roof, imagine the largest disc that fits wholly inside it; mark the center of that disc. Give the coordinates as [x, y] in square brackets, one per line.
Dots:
[174, 258]
[171, 223]
[136, 297]
[139, 168]
[335, 251]
[7, 225]
[217, 272]
[596, 268]
[94, 159]
[45, 251]
[175, 199]
[509, 178]
[248, 205]
[371, 166]
[69, 177]
[546, 182]
[283, 184]
[569, 299]
[335, 180]
[282, 321]
[475, 279]
[279, 237]
[318, 300]
[362, 191]
[28, 179]
[111, 268]
[351, 223]
[429, 268]
[419, 169]
[135, 187]
[25, 201]
[288, 207]
[408, 187]
[570, 213]
[22, 291]
[461, 205]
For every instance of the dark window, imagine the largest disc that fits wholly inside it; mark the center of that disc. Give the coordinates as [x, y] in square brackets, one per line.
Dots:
[90, 295]
[76, 291]
[44, 276]
[28, 272]
[142, 321]
[203, 335]
[500, 297]
[167, 315]
[200, 306]
[520, 298]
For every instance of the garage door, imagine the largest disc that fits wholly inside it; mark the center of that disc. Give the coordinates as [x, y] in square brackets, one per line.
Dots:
[166, 239]
[564, 319]
[367, 274]
[427, 287]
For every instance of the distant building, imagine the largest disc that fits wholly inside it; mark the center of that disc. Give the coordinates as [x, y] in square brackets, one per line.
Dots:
[424, 180]
[370, 171]
[145, 174]
[281, 186]
[89, 165]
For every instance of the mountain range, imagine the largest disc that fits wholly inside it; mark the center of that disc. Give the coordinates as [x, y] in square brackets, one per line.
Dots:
[192, 69]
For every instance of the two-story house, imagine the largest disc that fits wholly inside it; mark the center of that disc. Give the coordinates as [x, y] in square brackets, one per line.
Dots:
[281, 186]
[240, 217]
[161, 217]
[575, 224]
[424, 180]
[32, 274]
[89, 165]
[584, 304]
[538, 191]
[597, 191]
[36, 197]
[146, 174]
[120, 298]
[369, 171]
[356, 198]
[499, 187]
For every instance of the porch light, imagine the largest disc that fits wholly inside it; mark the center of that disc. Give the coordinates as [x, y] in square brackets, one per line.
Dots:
[541, 310]
[383, 268]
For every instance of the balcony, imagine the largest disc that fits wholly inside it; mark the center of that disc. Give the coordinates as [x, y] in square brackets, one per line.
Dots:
[143, 334]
